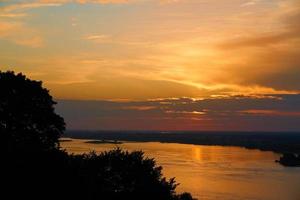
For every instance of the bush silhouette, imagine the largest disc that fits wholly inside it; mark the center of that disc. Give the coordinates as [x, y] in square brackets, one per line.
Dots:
[27, 117]
[34, 167]
[118, 174]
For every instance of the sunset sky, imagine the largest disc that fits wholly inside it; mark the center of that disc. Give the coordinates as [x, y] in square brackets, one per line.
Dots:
[160, 64]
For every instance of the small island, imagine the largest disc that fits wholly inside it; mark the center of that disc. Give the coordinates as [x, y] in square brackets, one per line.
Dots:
[65, 140]
[289, 160]
[103, 142]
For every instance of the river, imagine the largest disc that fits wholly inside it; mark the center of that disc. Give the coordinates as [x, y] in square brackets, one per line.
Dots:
[214, 172]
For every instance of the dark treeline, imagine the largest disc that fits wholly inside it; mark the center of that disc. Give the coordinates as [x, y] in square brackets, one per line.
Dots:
[34, 167]
[112, 175]
[278, 142]
[287, 143]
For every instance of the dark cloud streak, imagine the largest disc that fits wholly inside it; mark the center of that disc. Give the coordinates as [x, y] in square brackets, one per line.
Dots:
[241, 113]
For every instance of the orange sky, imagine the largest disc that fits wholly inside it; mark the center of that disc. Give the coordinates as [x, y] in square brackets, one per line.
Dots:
[141, 49]
[138, 50]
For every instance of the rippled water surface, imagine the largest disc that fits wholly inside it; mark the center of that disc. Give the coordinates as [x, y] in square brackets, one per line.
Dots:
[214, 172]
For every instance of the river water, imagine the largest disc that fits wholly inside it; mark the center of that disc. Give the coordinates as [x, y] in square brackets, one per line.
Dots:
[214, 172]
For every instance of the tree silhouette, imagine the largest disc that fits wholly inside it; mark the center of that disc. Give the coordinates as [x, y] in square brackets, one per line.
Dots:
[34, 167]
[27, 118]
[118, 174]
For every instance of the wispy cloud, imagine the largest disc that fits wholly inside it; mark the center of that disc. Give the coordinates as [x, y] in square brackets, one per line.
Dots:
[250, 3]
[271, 113]
[140, 108]
[264, 113]
[261, 40]
[98, 38]
[27, 5]
[198, 48]
[11, 32]
[31, 4]
[13, 15]
[19, 8]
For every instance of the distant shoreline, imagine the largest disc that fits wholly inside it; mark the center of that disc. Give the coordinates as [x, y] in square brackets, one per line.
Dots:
[103, 142]
[276, 142]
[282, 143]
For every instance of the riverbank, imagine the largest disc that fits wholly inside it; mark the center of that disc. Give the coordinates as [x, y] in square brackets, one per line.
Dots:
[277, 142]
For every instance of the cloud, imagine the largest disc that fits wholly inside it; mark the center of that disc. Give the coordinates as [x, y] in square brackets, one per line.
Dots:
[258, 113]
[25, 5]
[18, 9]
[110, 86]
[250, 3]
[98, 38]
[31, 4]
[267, 57]
[261, 40]
[185, 112]
[101, 1]
[19, 34]
[141, 108]
[288, 15]
[271, 113]
[165, 51]
[13, 15]
[6, 28]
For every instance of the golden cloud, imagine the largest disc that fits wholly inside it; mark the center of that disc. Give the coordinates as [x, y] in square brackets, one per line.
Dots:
[19, 34]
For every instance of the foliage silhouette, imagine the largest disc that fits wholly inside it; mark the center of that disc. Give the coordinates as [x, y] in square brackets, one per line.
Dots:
[34, 167]
[27, 117]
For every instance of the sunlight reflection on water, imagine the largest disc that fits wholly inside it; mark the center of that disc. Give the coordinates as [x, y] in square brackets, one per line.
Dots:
[214, 172]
